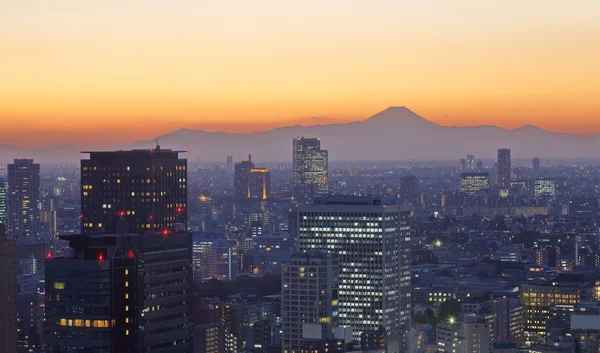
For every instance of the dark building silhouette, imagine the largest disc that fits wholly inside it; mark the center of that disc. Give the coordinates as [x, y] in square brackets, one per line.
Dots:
[229, 164]
[23, 198]
[120, 293]
[535, 165]
[3, 201]
[147, 187]
[310, 168]
[409, 189]
[8, 293]
[251, 182]
[504, 168]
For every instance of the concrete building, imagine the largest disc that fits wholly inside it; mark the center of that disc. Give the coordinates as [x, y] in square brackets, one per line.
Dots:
[371, 236]
[8, 292]
[504, 168]
[473, 183]
[310, 168]
[148, 187]
[469, 336]
[120, 293]
[309, 303]
[23, 218]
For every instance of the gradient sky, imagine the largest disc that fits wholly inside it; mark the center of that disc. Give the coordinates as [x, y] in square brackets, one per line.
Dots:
[92, 73]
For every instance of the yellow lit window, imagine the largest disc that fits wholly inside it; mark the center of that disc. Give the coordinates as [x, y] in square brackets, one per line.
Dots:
[127, 332]
[126, 283]
[126, 271]
[126, 307]
[126, 295]
[59, 285]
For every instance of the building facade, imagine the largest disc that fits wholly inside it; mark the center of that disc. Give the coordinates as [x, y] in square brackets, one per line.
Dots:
[473, 183]
[310, 168]
[371, 236]
[3, 200]
[23, 198]
[504, 168]
[148, 187]
[8, 292]
[120, 293]
[309, 303]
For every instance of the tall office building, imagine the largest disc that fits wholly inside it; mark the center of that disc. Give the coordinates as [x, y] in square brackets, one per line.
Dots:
[120, 293]
[409, 189]
[148, 187]
[23, 198]
[472, 183]
[229, 164]
[535, 165]
[8, 292]
[371, 236]
[309, 302]
[310, 168]
[504, 168]
[251, 182]
[3, 201]
[470, 162]
[463, 164]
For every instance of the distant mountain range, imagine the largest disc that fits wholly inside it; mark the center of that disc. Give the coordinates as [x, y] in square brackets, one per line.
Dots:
[394, 134]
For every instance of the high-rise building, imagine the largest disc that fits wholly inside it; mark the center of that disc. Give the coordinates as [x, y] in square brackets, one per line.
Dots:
[309, 302]
[371, 236]
[120, 293]
[535, 165]
[310, 168]
[251, 182]
[463, 164]
[213, 258]
[23, 198]
[479, 165]
[3, 201]
[147, 187]
[472, 183]
[504, 168]
[409, 189]
[544, 187]
[8, 292]
[470, 162]
[229, 164]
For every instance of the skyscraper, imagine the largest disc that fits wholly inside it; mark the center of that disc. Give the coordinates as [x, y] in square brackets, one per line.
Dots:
[120, 293]
[148, 187]
[470, 162]
[23, 198]
[504, 168]
[229, 164]
[535, 165]
[309, 303]
[544, 187]
[310, 168]
[251, 182]
[3, 201]
[8, 292]
[409, 189]
[371, 236]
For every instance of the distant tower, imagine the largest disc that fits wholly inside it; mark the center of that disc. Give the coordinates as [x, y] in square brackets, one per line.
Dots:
[470, 162]
[310, 168]
[463, 164]
[409, 189]
[229, 164]
[251, 182]
[535, 164]
[23, 198]
[479, 165]
[504, 168]
[3, 201]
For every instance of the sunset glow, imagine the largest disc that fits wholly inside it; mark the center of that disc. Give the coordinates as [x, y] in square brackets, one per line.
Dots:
[72, 71]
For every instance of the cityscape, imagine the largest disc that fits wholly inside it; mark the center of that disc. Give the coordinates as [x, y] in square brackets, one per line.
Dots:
[233, 176]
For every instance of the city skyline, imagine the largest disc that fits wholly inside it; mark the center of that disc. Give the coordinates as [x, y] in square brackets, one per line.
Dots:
[103, 74]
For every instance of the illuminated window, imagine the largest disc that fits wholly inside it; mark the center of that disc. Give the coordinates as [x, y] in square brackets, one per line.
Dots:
[126, 283]
[126, 271]
[59, 285]
[126, 295]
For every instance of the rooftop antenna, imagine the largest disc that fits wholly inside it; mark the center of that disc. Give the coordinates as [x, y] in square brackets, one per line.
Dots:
[157, 145]
[447, 124]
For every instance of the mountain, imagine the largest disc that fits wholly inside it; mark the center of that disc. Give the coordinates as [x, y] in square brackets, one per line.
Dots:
[396, 133]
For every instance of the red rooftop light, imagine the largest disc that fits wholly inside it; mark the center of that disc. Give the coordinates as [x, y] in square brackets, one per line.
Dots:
[130, 254]
[122, 213]
[49, 255]
[100, 257]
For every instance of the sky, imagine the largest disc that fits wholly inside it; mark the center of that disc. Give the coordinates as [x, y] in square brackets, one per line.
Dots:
[93, 73]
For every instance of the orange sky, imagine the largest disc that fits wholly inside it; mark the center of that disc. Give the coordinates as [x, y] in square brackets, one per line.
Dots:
[95, 73]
